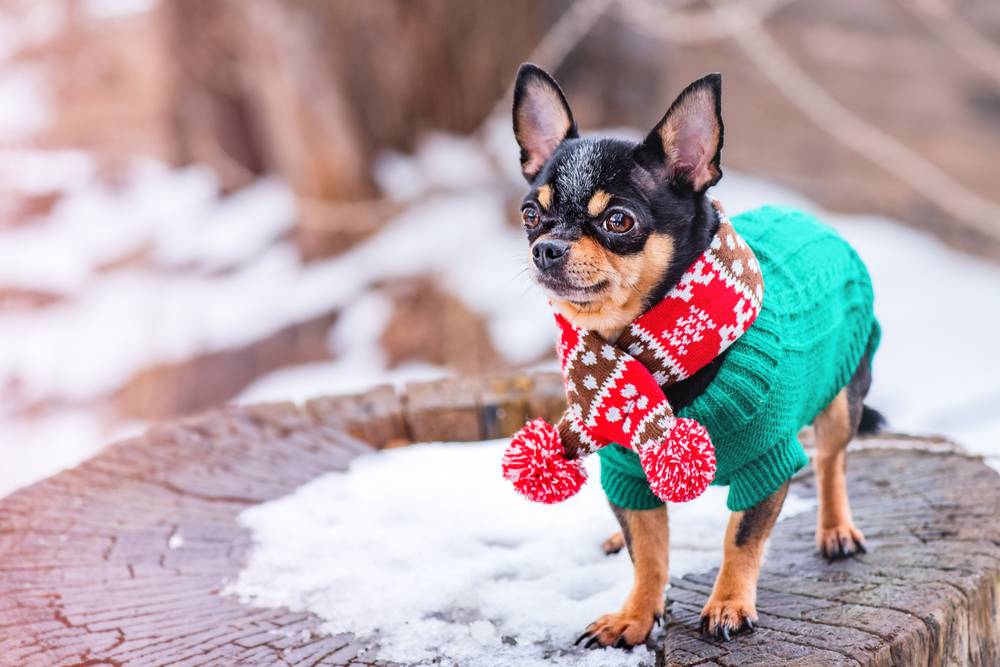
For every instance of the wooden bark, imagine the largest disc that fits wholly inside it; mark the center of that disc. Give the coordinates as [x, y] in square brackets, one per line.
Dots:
[121, 560]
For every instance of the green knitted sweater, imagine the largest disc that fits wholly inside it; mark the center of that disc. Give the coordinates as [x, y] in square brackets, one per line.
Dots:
[815, 326]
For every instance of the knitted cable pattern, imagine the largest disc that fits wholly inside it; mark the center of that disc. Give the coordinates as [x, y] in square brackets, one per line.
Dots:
[815, 326]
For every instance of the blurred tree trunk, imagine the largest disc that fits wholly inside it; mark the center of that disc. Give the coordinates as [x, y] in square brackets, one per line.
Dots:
[314, 89]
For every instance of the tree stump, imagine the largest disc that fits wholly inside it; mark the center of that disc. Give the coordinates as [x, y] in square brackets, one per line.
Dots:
[121, 560]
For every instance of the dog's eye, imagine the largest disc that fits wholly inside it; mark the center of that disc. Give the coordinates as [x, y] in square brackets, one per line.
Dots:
[618, 222]
[529, 215]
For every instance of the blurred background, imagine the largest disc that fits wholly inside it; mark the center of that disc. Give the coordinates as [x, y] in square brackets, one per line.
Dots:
[209, 202]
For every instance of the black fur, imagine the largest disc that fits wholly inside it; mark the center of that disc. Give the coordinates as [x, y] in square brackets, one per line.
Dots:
[864, 419]
[872, 421]
[639, 179]
[758, 520]
[621, 514]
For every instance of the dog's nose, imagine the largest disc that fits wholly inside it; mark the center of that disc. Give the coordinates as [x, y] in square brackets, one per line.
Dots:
[549, 253]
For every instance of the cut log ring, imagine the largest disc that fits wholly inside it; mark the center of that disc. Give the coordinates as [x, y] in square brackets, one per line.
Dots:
[121, 560]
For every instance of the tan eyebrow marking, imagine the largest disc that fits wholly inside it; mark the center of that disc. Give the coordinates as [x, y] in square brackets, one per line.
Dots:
[545, 196]
[598, 202]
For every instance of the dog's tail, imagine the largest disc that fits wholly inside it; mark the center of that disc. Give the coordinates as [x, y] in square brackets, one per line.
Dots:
[872, 421]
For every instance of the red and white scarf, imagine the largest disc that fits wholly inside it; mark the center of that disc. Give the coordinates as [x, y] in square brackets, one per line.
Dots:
[615, 393]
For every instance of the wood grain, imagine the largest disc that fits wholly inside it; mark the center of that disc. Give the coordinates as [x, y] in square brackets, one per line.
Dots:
[89, 573]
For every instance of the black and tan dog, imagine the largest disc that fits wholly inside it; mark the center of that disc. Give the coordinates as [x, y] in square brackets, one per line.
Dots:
[612, 225]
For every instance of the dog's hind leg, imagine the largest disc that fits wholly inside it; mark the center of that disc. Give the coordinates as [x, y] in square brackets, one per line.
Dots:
[836, 534]
[732, 607]
[646, 534]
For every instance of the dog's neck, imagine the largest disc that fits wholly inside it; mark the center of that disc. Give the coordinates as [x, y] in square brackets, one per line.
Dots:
[610, 318]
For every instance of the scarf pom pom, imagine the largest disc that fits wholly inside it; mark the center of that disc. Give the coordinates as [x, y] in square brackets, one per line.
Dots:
[682, 467]
[536, 464]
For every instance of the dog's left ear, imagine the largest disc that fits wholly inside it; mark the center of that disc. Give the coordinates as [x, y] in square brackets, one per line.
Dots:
[687, 142]
[542, 119]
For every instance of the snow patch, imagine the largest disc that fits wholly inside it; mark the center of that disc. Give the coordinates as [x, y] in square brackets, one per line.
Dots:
[24, 108]
[428, 548]
[360, 362]
[110, 9]
[34, 448]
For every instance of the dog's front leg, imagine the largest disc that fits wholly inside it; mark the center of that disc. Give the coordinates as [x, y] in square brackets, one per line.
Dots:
[732, 606]
[647, 536]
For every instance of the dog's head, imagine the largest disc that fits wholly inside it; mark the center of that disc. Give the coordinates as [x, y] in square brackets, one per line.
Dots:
[611, 223]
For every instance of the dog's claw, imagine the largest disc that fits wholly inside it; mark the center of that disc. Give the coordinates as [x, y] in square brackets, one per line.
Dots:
[586, 633]
[840, 542]
[723, 624]
[593, 640]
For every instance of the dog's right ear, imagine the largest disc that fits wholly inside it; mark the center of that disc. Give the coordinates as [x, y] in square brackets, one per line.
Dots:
[542, 118]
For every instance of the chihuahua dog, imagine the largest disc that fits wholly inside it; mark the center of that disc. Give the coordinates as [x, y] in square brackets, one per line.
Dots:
[612, 225]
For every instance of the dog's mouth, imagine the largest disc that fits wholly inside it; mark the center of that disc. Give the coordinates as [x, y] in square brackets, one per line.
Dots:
[578, 294]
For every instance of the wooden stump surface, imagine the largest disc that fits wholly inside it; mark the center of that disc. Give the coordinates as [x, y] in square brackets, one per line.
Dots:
[121, 560]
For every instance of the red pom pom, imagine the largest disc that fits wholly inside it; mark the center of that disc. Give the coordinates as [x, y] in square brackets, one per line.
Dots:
[535, 462]
[680, 468]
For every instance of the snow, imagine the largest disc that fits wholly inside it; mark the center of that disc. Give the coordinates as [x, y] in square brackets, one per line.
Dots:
[25, 109]
[24, 104]
[360, 362]
[433, 167]
[110, 9]
[34, 448]
[122, 322]
[430, 549]
[39, 172]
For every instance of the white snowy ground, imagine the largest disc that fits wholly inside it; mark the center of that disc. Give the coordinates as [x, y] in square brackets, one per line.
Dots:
[429, 547]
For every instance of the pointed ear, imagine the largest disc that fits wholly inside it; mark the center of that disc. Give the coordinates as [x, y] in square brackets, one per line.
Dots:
[687, 142]
[542, 119]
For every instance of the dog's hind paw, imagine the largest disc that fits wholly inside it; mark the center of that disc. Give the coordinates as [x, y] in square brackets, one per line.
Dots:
[842, 541]
[613, 544]
[725, 618]
[621, 630]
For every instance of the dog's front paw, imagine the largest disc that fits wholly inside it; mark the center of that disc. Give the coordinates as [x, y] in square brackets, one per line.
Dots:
[621, 630]
[841, 541]
[724, 618]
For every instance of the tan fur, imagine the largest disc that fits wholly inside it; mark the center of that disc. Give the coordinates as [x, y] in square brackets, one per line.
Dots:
[598, 202]
[613, 544]
[545, 197]
[734, 595]
[649, 532]
[833, 431]
[630, 280]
